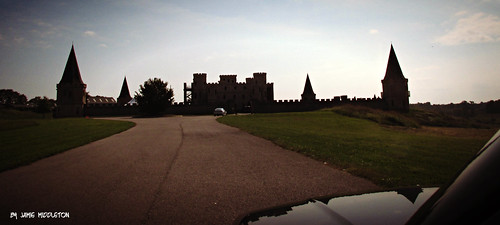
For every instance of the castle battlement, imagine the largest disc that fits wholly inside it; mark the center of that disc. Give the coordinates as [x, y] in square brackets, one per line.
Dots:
[228, 75]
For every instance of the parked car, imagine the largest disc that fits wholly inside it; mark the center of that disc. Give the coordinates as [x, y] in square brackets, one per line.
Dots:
[220, 112]
[472, 197]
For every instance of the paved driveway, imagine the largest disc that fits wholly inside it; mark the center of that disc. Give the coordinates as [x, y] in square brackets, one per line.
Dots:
[173, 170]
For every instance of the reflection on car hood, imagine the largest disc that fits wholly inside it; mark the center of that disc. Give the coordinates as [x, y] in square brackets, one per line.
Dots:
[390, 207]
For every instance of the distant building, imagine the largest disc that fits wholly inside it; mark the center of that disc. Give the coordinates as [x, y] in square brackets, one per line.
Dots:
[93, 101]
[71, 95]
[395, 86]
[227, 92]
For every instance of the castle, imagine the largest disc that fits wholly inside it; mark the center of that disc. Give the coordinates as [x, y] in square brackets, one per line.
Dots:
[200, 97]
[257, 95]
[229, 93]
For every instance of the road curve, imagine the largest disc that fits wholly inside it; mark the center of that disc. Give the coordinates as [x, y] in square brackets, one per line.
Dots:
[171, 170]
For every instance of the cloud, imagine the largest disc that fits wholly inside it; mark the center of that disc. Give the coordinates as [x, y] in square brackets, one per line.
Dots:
[19, 40]
[103, 45]
[41, 23]
[43, 44]
[89, 33]
[461, 13]
[476, 28]
[373, 31]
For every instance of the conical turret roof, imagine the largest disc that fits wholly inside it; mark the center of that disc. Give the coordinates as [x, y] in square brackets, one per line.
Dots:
[124, 93]
[393, 70]
[308, 88]
[71, 71]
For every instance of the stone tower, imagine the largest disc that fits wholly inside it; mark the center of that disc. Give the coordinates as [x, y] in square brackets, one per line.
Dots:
[395, 86]
[71, 95]
[308, 94]
[124, 97]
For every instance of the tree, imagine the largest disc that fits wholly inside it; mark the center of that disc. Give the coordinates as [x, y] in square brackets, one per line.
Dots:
[42, 105]
[154, 96]
[9, 97]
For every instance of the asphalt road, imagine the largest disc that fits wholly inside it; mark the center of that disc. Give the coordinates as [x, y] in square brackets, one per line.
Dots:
[172, 170]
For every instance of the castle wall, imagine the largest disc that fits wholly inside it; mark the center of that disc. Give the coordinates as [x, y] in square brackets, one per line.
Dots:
[208, 109]
[301, 106]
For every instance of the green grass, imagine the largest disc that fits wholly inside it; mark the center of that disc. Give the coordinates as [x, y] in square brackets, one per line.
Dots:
[377, 115]
[390, 156]
[25, 139]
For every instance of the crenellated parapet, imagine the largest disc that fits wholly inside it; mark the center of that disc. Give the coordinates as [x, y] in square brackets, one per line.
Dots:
[227, 78]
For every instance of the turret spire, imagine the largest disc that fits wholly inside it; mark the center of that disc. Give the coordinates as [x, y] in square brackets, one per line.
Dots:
[124, 97]
[308, 94]
[308, 88]
[393, 69]
[72, 71]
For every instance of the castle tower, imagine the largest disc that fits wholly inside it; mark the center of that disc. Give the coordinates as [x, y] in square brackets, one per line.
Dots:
[308, 94]
[124, 97]
[395, 86]
[198, 90]
[71, 95]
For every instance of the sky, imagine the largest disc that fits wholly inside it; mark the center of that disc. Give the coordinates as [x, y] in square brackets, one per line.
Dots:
[448, 50]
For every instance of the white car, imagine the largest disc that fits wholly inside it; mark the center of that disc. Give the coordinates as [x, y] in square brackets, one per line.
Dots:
[220, 112]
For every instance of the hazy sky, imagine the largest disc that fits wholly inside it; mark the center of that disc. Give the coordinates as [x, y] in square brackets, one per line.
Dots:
[448, 50]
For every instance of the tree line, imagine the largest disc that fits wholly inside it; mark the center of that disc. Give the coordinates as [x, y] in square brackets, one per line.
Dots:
[13, 99]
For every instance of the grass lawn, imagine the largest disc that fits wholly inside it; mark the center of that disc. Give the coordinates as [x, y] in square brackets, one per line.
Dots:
[25, 139]
[390, 156]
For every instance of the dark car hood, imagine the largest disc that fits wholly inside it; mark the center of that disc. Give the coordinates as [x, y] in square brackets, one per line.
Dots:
[389, 207]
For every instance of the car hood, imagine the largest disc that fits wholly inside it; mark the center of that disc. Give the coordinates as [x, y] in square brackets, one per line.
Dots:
[388, 207]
